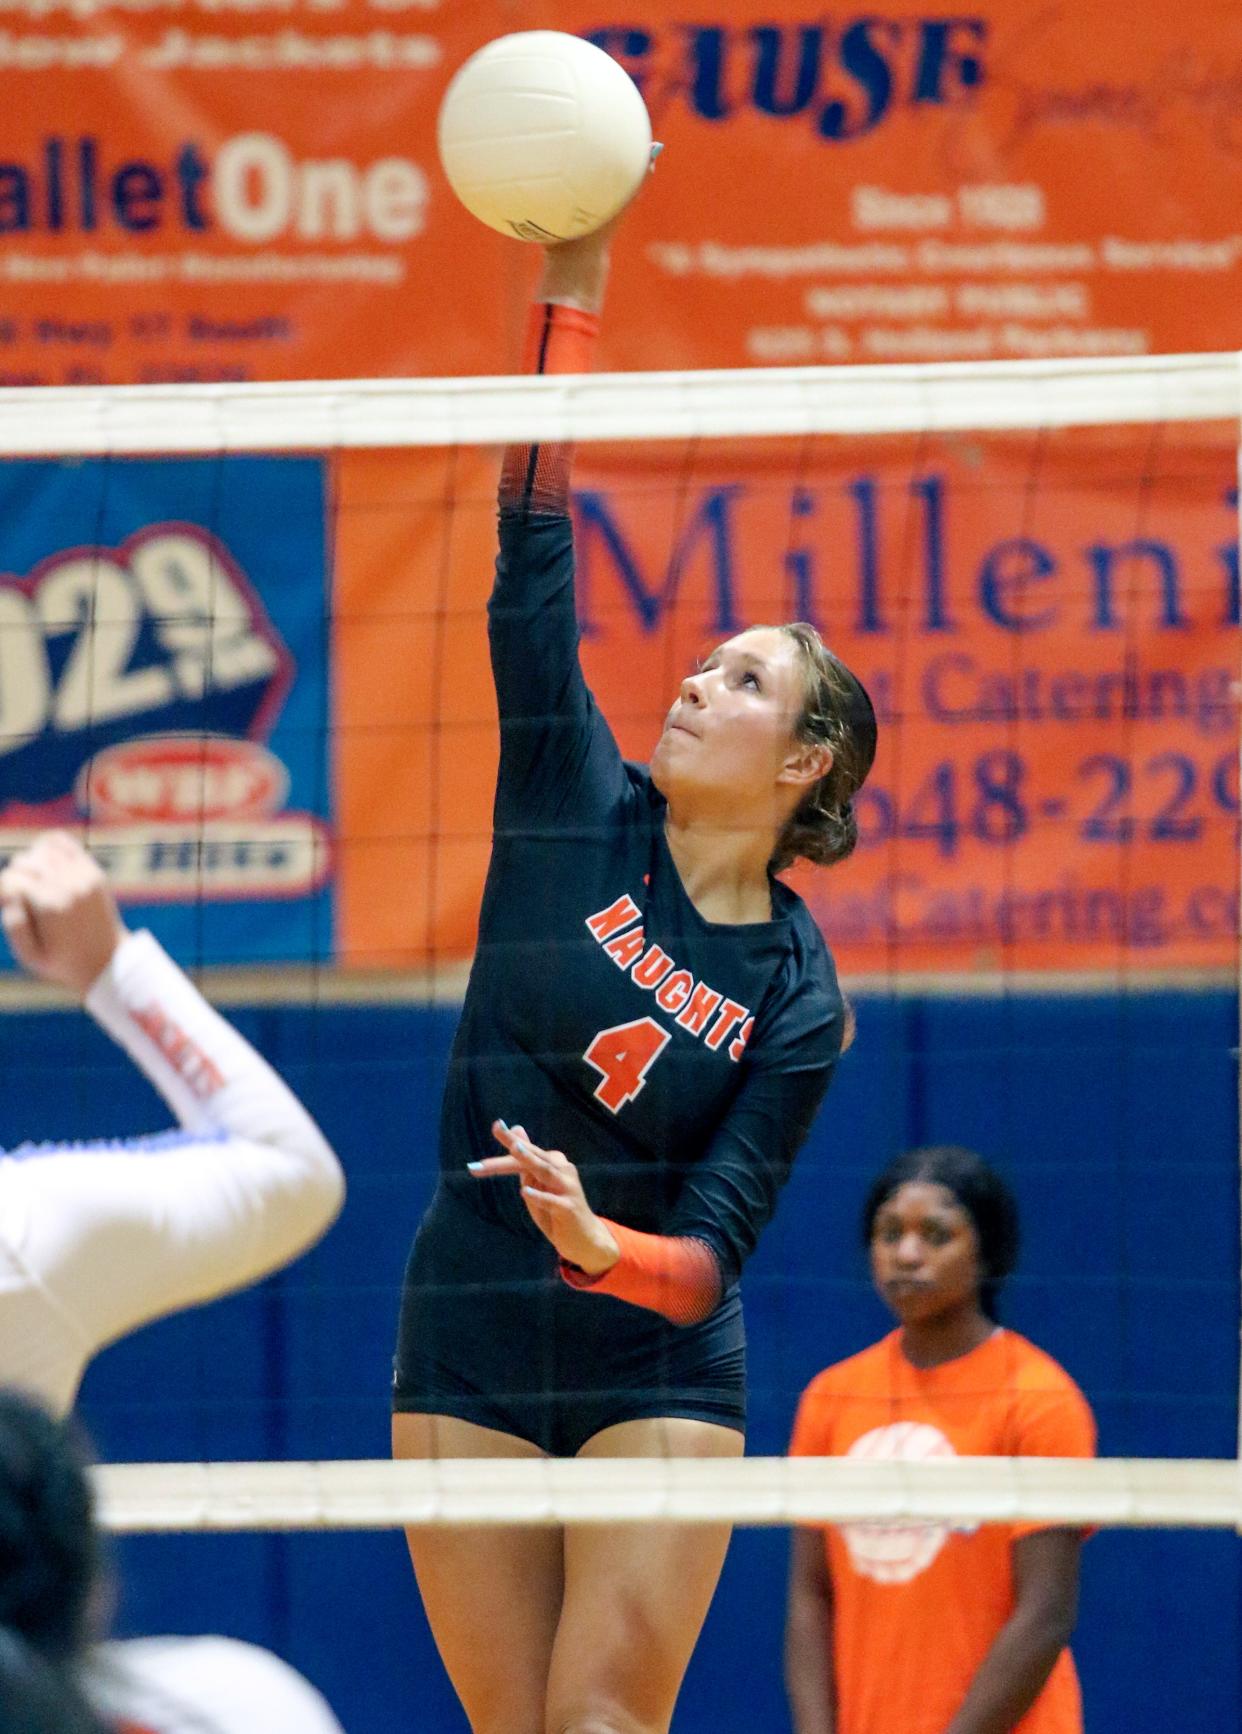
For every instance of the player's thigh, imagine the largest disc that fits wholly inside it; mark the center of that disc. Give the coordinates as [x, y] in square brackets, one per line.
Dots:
[492, 1594]
[636, 1596]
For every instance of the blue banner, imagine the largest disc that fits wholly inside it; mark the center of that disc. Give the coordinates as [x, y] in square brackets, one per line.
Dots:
[164, 690]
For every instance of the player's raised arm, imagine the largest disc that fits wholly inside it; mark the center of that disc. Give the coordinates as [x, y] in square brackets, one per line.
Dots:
[557, 752]
[119, 1233]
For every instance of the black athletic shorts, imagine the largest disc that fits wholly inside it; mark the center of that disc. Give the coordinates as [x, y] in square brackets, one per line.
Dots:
[490, 1333]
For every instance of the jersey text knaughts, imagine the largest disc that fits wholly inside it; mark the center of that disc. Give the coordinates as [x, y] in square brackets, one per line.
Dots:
[693, 1004]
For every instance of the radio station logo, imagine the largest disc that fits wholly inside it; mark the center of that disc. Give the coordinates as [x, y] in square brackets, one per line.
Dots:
[138, 688]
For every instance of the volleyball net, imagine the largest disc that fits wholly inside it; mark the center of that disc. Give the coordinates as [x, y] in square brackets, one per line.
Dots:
[242, 649]
[279, 590]
[773, 1492]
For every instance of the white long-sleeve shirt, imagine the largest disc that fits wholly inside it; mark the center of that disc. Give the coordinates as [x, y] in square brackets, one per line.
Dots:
[96, 1239]
[203, 1686]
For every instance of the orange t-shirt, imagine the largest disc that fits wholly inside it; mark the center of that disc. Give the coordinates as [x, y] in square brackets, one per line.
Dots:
[917, 1606]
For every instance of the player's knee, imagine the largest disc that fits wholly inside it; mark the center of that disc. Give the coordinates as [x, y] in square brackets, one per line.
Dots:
[506, 1719]
[599, 1717]
[499, 1712]
[508, 1701]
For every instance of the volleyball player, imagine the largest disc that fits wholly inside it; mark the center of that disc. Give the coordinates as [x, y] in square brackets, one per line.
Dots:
[931, 1628]
[54, 1676]
[97, 1239]
[651, 1022]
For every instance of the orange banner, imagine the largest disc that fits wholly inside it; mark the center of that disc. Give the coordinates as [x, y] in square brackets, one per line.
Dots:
[230, 189]
[1047, 624]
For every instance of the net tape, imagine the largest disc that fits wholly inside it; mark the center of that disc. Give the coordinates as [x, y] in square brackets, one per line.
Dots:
[76, 421]
[764, 1491]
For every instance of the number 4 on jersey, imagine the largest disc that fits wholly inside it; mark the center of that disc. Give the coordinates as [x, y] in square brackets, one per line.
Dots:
[623, 1055]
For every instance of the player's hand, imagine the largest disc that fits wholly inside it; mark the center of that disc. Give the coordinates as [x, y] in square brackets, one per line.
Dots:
[552, 1193]
[59, 916]
[576, 271]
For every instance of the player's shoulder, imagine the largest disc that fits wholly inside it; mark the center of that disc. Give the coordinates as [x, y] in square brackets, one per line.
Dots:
[1046, 1394]
[1033, 1369]
[173, 1684]
[857, 1373]
[1045, 1411]
[808, 950]
[829, 1395]
[804, 1004]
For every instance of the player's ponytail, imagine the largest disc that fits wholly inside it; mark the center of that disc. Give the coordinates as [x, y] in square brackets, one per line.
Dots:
[838, 713]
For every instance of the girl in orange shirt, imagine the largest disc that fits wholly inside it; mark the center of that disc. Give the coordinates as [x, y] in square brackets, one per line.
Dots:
[938, 1628]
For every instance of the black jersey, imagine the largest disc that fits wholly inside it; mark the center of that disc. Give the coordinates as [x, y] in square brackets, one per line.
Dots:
[677, 1062]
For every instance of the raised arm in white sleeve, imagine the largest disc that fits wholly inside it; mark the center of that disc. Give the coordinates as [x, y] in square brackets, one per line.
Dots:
[98, 1239]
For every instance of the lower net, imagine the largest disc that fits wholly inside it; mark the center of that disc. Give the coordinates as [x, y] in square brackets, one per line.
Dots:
[243, 653]
[775, 1492]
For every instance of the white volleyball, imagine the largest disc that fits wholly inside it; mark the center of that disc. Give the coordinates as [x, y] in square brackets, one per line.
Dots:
[543, 136]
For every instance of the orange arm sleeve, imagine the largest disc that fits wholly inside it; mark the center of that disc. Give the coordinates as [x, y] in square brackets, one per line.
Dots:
[559, 339]
[669, 1274]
